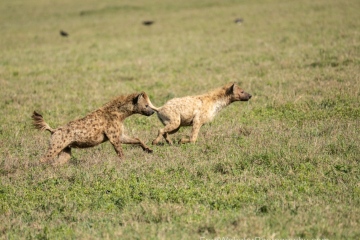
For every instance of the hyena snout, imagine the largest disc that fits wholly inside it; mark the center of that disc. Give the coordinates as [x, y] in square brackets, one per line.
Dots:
[244, 96]
[147, 111]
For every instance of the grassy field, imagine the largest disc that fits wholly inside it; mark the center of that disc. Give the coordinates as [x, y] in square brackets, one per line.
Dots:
[283, 165]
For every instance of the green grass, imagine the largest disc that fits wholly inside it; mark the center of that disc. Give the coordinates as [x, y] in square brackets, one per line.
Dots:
[283, 165]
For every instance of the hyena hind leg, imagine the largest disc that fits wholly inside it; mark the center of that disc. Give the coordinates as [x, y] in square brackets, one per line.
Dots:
[64, 157]
[168, 129]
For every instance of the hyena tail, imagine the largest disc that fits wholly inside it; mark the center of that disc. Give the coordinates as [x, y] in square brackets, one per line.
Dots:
[150, 104]
[154, 108]
[39, 123]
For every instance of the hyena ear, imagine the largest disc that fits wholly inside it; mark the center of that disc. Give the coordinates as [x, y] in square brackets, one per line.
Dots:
[231, 89]
[138, 97]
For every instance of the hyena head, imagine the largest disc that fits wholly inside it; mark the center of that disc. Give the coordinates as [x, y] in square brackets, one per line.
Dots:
[143, 105]
[237, 94]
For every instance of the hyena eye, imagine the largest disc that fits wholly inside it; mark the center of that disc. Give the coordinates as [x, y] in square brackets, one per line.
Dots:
[146, 105]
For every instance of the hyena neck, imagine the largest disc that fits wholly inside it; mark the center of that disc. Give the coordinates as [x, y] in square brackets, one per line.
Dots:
[125, 111]
[121, 106]
[119, 111]
[218, 105]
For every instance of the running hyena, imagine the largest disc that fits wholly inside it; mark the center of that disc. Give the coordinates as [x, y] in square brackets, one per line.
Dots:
[196, 110]
[105, 123]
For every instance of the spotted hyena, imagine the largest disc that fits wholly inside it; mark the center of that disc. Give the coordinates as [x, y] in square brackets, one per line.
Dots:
[196, 110]
[101, 125]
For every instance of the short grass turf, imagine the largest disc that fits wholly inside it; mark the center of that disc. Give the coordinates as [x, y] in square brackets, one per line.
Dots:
[283, 165]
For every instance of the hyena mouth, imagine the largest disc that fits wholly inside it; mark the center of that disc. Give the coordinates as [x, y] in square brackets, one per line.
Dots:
[148, 112]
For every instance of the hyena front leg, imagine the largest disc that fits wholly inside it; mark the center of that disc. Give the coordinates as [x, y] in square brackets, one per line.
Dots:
[170, 127]
[129, 140]
[114, 138]
[194, 132]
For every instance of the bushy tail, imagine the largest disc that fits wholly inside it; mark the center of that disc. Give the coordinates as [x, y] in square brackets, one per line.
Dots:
[39, 123]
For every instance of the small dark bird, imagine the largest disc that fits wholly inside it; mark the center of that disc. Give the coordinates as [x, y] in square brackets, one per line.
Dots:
[239, 21]
[147, 23]
[63, 33]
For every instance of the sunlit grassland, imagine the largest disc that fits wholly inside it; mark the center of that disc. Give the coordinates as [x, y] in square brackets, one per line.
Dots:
[283, 165]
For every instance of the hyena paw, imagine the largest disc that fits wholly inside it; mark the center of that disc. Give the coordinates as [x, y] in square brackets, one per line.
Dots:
[148, 150]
